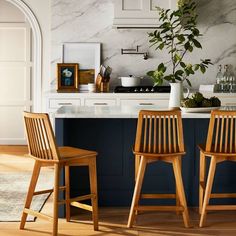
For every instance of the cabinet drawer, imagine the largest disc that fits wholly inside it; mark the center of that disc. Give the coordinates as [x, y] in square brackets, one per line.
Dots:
[100, 102]
[147, 102]
[56, 103]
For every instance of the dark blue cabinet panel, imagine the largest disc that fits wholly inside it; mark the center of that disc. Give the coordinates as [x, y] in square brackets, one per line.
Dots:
[113, 139]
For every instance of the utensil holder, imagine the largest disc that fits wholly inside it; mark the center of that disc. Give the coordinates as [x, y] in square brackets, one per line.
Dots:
[104, 87]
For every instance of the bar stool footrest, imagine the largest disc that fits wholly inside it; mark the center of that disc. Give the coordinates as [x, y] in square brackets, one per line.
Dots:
[82, 206]
[221, 208]
[37, 214]
[159, 208]
[158, 196]
[223, 195]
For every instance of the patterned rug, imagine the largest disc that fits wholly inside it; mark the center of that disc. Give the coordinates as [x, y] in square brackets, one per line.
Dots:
[13, 190]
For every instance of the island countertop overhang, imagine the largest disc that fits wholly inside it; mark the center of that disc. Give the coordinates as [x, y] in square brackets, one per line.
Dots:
[114, 112]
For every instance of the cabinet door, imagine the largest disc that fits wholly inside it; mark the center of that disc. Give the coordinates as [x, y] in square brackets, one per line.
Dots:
[54, 104]
[139, 13]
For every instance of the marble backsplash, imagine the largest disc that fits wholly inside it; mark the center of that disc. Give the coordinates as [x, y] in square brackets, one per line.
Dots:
[91, 21]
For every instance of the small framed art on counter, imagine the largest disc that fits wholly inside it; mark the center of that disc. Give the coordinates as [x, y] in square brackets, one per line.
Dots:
[67, 76]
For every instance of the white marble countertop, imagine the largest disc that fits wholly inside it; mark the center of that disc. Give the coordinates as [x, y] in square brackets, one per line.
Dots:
[113, 112]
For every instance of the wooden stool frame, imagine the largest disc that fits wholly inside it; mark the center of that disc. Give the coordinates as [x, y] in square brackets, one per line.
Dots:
[159, 137]
[42, 147]
[220, 146]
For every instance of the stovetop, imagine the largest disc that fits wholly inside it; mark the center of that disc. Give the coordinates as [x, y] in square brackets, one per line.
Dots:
[142, 89]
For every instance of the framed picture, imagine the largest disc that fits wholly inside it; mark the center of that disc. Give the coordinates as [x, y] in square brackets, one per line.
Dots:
[88, 55]
[67, 76]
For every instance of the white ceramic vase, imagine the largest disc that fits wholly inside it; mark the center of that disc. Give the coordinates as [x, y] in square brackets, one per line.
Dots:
[176, 94]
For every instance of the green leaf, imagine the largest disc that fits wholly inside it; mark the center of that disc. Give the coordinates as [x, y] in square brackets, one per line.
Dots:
[196, 43]
[181, 38]
[182, 64]
[196, 67]
[179, 73]
[203, 69]
[196, 32]
[168, 78]
[188, 82]
[187, 45]
[150, 73]
[178, 57]
[161, 46]
[161, 67]
[190, 48]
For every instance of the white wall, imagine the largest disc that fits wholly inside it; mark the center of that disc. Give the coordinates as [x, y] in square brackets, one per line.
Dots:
[91, 21]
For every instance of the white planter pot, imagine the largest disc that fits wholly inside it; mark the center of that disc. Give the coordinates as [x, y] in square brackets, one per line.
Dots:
[176, 94]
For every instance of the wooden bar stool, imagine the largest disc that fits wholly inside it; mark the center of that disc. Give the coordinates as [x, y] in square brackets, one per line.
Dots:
[159, 137]
[42, 147]
[220, 146]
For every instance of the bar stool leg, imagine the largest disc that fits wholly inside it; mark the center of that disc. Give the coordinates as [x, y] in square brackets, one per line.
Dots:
[137, 190]
[180, 189]
[202, 176]
[137, 162]
[55, 198]
[176, 191]
[67, 183]
[210, 180]
[33, 183]
[93, 189]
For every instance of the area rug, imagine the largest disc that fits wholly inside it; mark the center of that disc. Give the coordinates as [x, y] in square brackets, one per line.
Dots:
[13, 190]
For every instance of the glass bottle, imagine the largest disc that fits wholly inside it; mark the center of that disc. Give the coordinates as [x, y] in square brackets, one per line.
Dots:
[219, 80]
[226, 78]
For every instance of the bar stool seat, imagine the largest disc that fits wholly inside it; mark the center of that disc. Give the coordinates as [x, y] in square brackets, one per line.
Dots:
[67, 153]
[220, 146]
[42, 147]
[159, 137]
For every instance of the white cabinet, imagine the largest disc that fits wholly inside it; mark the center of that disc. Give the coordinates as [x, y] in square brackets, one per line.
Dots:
[139, 13]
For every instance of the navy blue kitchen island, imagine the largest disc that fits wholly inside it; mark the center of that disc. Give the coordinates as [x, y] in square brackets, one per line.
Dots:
[113, 139]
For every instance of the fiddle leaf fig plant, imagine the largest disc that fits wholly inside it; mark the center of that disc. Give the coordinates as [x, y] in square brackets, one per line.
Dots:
[178, 34]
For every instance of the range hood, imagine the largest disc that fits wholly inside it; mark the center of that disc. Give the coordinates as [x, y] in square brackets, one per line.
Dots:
[139, 14]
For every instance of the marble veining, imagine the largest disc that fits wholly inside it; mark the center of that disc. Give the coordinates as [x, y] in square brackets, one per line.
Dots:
[91, 21]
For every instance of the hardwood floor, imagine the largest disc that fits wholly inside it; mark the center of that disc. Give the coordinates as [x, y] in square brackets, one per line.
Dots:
[112, 221]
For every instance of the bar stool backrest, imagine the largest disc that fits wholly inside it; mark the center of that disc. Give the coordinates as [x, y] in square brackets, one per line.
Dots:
[40, 136]
[159, 132]
[221, 136]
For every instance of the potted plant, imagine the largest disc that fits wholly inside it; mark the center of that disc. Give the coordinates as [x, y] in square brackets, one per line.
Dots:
[178, 34]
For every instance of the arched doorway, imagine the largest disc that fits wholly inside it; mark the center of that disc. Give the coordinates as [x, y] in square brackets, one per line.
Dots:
[37, 36]
[20, 67]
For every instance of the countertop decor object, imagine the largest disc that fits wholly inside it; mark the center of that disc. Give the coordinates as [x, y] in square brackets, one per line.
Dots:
[88, 55]
[67, 76]
[198, 109]
[178, 35]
